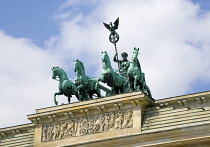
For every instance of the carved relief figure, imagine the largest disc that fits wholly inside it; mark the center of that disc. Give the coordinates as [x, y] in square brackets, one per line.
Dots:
[56, 131]
[91, 125]
[101, 122]
[87, 125]
[77, 128]
[119, 120]
[71, 129]
[106, 122]
[128, 122]
[44, 133]
[98, 123]
[49, 133]
[84, 126]
[112, 119]
[63, 130]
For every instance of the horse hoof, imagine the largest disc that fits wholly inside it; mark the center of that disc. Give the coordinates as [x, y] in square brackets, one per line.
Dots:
[56, 103]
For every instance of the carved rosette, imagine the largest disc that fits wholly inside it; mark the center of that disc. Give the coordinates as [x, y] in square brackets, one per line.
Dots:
[87, 125]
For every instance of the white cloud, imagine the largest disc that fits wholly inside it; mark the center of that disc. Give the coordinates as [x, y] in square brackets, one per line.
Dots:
[25, 77]
[173, 37]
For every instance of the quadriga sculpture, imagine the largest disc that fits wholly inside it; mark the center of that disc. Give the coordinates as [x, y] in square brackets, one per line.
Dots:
[66, 87]
[86, 86]
[114, 80]
[136, 76]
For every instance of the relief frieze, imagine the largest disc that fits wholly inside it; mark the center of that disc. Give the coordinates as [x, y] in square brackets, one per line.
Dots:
[87, 125]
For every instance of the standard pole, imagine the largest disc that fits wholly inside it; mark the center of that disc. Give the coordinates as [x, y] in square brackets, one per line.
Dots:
[117, 56]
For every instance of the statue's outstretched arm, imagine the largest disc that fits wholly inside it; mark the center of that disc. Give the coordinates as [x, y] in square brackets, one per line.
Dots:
[115, 58]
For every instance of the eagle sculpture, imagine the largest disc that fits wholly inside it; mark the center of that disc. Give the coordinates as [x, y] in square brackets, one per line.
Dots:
[112, 27]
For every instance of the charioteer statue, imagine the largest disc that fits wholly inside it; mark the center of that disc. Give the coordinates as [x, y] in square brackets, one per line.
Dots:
[123, 64]
[129, 78]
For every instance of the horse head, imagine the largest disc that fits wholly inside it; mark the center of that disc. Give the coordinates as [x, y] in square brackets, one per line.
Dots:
[106, 62]
[78, 67]
[134, 55]
[55, 72]
[135, 52]
[105, 58]
[59, 72]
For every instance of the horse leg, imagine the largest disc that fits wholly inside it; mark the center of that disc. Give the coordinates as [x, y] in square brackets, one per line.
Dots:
[135, 83]
[122, 85]
[69, 99]
[122, 89]
[98, 92]
[77, 97]
[112, 89]
[90, 94]
[57, 93]
[83, 95]
[69, 95]
[131, 82]
[125, 87]
[131, 86]
[116, 89]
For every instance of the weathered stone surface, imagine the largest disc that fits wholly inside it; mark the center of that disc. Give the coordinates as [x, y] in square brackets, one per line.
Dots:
[130, 119]
[22, 135]
[109, 121]
[90, 120]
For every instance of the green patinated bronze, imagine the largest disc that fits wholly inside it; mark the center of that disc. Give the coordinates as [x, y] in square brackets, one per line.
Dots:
[129, 77]
[136, 76]
[66, 87]
[113, 79]
[124, 63]
[86, 86]
[114, 36]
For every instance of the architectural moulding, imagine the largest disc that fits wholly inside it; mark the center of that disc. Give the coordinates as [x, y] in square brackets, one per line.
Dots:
[99, 118]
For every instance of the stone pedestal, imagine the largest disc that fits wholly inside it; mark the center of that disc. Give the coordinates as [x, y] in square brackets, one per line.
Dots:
[90, 121]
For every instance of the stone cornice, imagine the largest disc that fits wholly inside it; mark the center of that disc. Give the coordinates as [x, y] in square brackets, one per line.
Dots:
[184, 100]
[15, 129]
[154, 136]
[100, 105]
[189, 97]
[126, 96]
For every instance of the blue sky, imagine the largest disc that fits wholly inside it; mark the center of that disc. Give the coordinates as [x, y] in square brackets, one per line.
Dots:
[32, 19]
[173, 37]
[35, 19]
[204, 4]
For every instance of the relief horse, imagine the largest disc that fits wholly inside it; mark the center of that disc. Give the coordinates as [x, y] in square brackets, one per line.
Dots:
[113, 79]
[86, 86]
[66, 87]
[136, 76]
